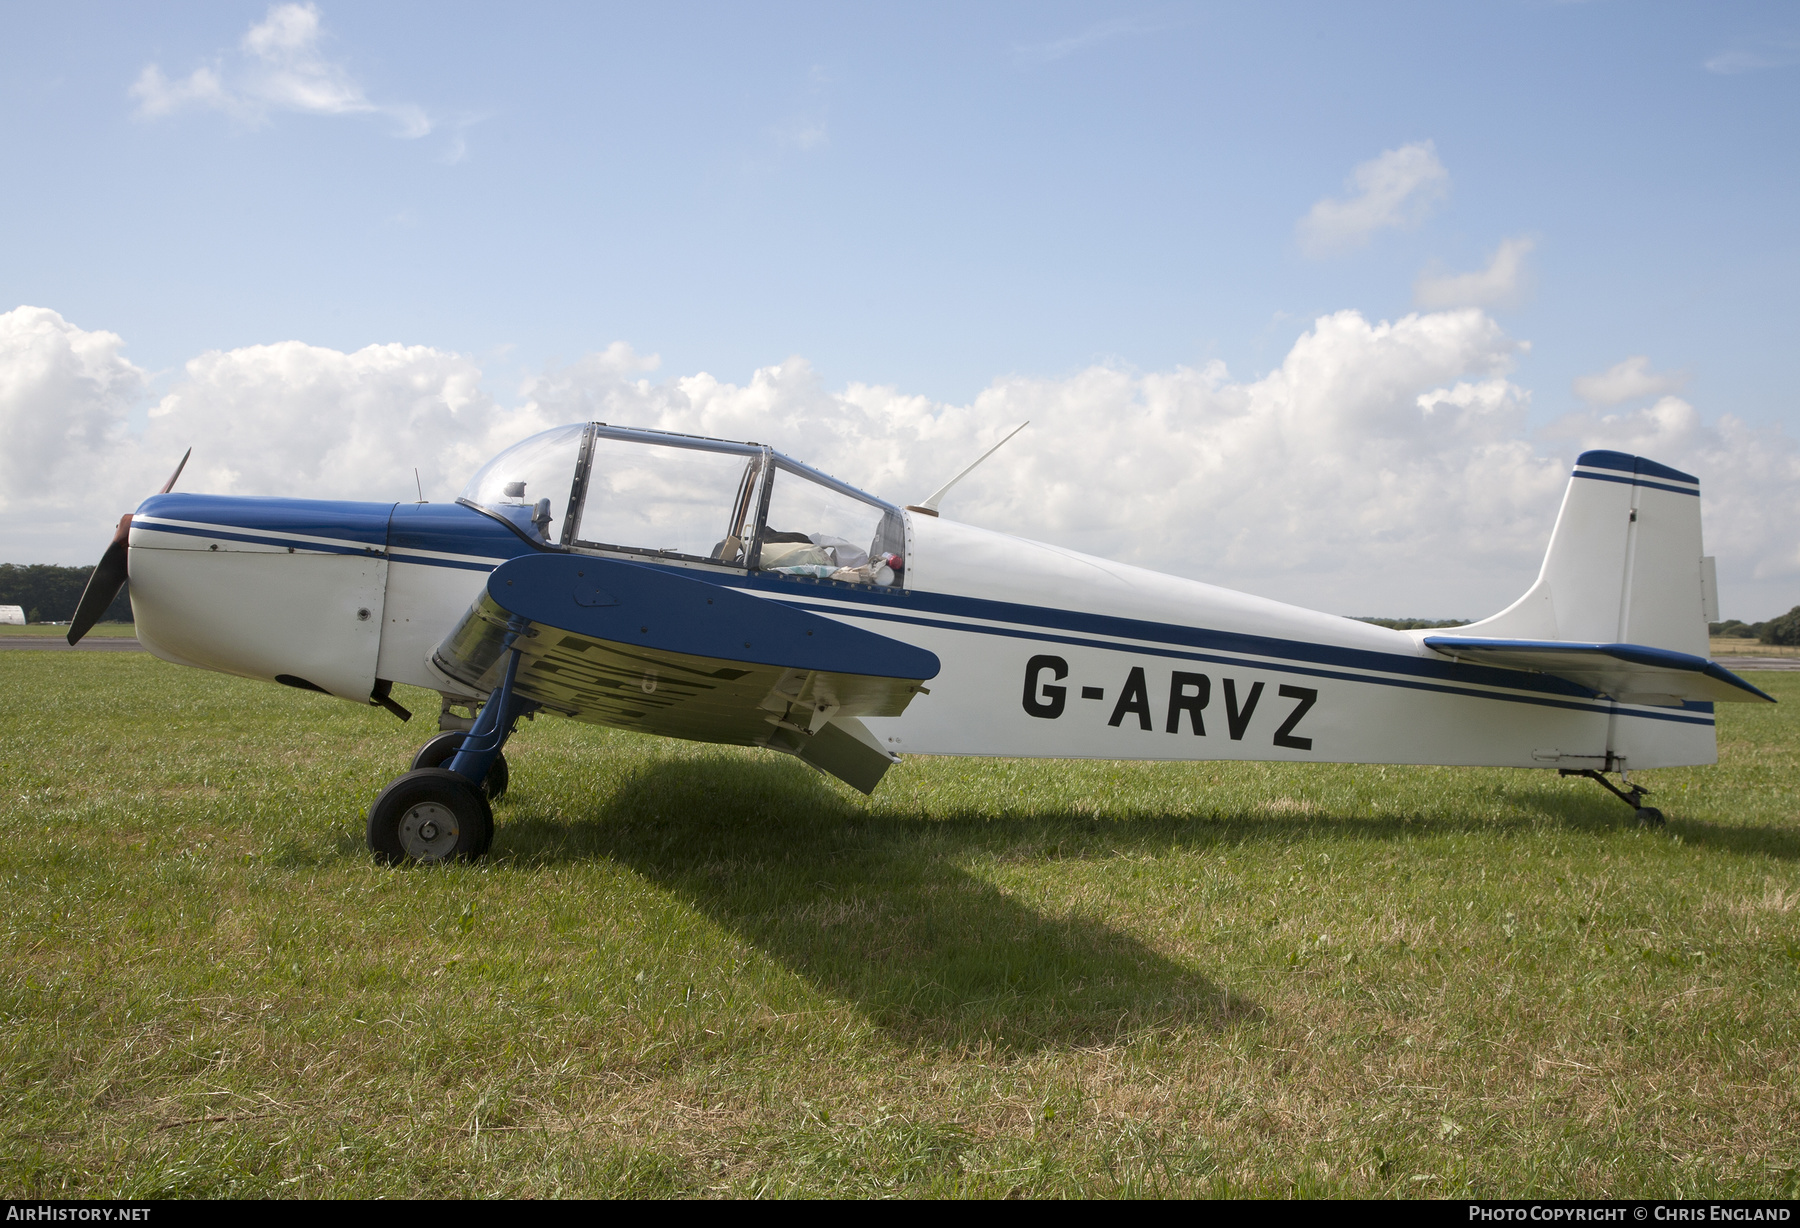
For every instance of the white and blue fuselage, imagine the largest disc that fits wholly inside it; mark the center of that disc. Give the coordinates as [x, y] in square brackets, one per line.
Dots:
[1043, 652]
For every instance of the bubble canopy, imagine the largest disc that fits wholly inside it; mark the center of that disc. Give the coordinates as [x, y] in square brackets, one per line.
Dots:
[540, 467]
[590, 486]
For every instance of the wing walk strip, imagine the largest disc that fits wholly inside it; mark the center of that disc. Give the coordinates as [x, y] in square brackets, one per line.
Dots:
[317, 545]
[1151, 648]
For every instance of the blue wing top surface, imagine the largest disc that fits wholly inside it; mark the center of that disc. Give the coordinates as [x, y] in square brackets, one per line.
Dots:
[661, 608]
[647, 647]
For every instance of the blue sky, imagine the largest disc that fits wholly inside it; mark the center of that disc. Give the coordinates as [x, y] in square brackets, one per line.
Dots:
[929, 196]
[982, 206]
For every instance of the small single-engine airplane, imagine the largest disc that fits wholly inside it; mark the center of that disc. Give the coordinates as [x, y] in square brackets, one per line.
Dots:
[724, 592]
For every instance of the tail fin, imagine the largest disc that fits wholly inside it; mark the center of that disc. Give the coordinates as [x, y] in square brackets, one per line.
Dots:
[1624, 565]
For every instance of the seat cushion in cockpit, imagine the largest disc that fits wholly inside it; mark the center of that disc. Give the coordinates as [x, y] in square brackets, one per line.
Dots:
[794, 554]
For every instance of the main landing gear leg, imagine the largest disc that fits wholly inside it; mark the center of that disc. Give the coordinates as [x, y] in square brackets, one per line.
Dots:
[442, 749]
[442, 813]
[1632, 795]
[479, 753]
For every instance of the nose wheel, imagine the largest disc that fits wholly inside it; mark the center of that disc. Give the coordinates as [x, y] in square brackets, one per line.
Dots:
[430, 815]
[439, 811]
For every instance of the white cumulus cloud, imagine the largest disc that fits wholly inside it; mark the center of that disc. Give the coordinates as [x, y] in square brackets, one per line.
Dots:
[1630, 380]
[1749, 486]
[291, 418]
[1397, 188]
[278, 66]
[284, 419]
[1501, 284]
[1382, 467]
[65, 394]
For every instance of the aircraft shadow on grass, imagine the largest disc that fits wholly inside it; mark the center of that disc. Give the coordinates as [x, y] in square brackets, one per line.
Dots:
[876, 910]
[1587, 813]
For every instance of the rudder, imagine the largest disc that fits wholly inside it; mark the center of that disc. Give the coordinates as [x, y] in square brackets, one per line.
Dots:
[1624, 564]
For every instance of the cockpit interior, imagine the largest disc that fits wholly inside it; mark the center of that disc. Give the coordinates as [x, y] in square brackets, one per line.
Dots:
[595, 488]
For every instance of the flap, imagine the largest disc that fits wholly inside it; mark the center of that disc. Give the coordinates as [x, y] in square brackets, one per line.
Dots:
[1629, 673]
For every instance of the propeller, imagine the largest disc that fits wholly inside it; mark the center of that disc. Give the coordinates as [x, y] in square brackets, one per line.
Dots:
[110, 576]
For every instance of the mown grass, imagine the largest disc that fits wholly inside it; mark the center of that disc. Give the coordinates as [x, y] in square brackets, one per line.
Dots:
[688, 970]
[1722, 646]
[61, 632]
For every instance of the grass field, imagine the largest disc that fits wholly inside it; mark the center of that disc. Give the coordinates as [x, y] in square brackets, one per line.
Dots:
[126, 629]
[1722, 647]
[695, 971]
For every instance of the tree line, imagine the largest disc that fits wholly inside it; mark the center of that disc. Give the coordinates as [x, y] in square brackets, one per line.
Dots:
[1415, 624]
[1782, 629]
[48, 594]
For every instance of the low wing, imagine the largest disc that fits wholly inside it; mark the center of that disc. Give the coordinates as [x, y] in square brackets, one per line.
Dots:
[656, 650]
[1629, 673]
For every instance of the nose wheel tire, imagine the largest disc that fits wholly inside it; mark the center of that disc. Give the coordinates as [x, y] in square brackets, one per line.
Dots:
[1650, 816]
[441, 749]
[430, 815]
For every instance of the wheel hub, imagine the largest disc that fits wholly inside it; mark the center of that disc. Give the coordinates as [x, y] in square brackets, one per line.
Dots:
[428, 832]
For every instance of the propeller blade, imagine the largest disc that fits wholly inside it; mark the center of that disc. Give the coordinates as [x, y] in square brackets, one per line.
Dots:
[170, 484]
[104, 585]
[114, 569]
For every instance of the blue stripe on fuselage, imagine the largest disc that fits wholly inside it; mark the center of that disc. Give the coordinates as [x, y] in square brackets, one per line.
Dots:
[1176, 641]
[353, 527]
[363, 523]
[264, 539]
[451, 528]
[1314, 671]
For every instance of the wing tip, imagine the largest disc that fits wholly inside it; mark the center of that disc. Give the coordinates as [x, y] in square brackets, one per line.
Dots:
[1715, 670]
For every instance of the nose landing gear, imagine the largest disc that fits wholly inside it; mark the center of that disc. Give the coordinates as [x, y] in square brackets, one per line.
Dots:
[442, 748]
[430, 815]
[439, 811]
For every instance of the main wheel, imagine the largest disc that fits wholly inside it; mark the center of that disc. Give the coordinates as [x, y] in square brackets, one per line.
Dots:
[442, 748]
[430, 815]
[1650, 816]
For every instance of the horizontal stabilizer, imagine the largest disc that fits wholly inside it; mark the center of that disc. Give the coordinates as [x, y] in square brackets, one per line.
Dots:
[1628, 673]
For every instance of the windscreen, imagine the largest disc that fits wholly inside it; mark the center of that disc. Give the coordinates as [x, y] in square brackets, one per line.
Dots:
[816, 530]
[529, 483]
[660, 498]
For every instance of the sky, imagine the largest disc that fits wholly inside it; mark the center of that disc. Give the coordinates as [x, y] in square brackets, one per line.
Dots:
[1318, 301]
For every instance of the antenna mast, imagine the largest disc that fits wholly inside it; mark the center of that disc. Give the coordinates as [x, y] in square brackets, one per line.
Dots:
[930, 506]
